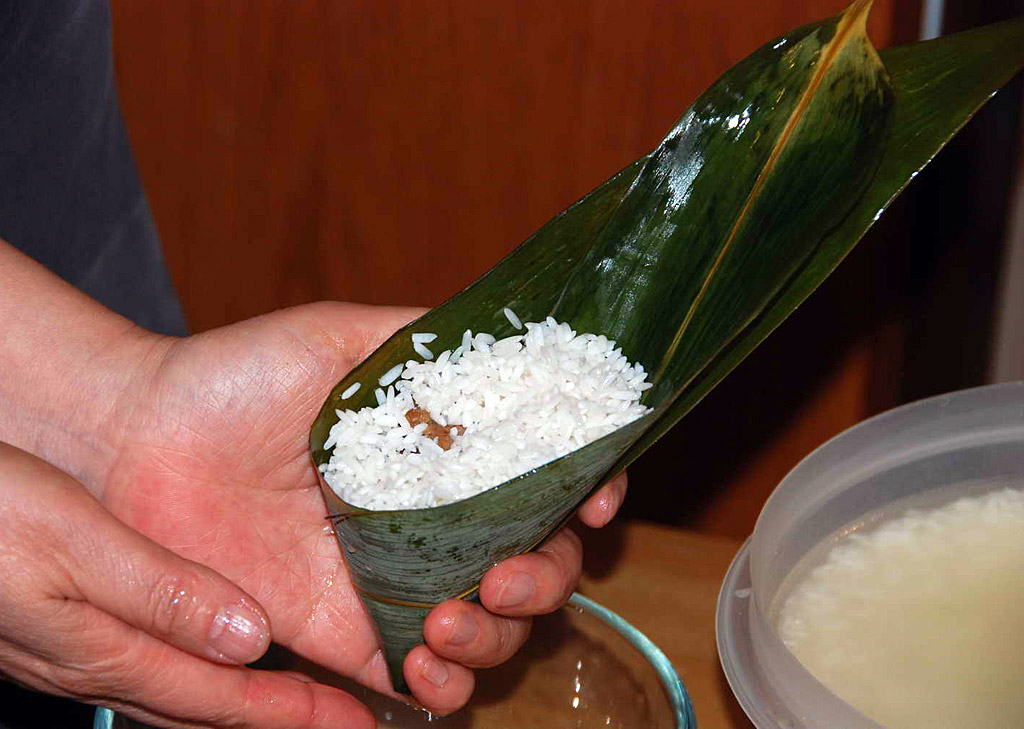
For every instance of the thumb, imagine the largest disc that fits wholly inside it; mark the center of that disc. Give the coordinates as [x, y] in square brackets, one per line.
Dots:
[124, 574]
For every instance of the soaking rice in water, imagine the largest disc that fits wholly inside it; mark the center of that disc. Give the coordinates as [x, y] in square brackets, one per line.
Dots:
[506, 407]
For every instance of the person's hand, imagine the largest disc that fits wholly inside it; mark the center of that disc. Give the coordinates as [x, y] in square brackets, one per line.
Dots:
[201, 444]
[92, 610]
[211, 460]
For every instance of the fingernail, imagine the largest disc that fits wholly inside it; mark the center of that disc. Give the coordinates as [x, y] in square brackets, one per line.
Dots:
[435, 672]
[517, 589]
[239, 634]
[298, 676]
[463, 631]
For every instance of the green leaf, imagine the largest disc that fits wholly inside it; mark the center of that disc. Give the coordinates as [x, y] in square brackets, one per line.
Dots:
[939, 85]
[689, 257]
[735, 198]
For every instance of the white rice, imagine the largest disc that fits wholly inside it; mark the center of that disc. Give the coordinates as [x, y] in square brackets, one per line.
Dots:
[523, 401]
[391, 375]
[918, 622]
[422, 351]
[351, 390]
[423, 337]
[512, 318]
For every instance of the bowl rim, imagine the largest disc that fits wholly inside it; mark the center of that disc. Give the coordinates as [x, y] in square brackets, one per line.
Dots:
[738, 622]
[746, 686]
[675, 691]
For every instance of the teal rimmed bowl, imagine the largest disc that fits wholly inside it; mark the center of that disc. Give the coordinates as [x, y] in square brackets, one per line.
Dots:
[583, 666]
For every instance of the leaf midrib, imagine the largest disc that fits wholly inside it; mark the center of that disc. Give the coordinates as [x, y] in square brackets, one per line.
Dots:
[847, 25]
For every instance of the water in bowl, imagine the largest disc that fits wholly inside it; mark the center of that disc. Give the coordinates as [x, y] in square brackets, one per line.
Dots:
[919, 620]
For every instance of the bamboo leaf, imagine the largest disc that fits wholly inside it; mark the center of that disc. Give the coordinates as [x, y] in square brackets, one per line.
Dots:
[939, 85]
[689, 257]
[735, 198]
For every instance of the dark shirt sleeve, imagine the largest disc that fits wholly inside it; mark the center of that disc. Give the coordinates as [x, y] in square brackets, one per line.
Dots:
[70, 195]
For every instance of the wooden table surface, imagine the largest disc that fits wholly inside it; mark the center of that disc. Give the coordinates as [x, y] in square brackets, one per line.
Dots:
[665, 582]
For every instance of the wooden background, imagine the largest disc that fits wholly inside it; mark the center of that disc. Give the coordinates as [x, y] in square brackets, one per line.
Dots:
[390, 152]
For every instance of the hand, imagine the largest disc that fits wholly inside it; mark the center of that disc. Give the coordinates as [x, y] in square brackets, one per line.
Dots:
[92, 610]
[201, 444]
[212, 461]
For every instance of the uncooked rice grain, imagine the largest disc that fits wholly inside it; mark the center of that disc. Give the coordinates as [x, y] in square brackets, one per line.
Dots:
[422, 351]
[351, 390]
[391, 375]
[524, 401]
[512, 318]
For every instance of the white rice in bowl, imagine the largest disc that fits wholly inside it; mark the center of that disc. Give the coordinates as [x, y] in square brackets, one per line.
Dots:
[505, 407]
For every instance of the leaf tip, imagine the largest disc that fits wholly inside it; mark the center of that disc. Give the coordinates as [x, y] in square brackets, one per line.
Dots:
[856, 16]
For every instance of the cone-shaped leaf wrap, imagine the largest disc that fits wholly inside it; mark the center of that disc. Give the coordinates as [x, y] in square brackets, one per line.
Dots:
[688, 257]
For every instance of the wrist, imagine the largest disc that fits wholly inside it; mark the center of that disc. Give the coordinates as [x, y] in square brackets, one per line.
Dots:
[68, 368]
[83, 430]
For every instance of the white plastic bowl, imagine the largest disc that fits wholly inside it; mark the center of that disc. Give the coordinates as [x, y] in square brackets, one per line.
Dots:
[923, 455]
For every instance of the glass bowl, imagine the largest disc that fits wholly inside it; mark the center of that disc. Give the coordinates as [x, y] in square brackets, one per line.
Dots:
[583, 666]
[922, 455]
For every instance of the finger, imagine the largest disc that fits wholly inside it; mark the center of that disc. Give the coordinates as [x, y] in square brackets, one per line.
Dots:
[382, 322]
[600, 508]
[465, 632]
[119, 571]
[358, 328]
[536, 583]
[58, 638]
[113, 664]
[178, 601]
[441, 686]
[276, 702]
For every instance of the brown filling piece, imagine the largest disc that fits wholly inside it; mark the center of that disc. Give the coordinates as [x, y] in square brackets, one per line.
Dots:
[440, 434]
